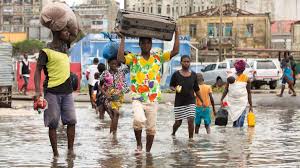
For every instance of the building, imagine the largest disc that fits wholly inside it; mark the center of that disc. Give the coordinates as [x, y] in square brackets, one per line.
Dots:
[98, 16]
[287, 9]
[15, 15]
[173, 8]
[281, 31]
[240, 29]
[296, 37]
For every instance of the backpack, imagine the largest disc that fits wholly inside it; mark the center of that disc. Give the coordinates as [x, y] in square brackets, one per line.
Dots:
[74, 81]
[221, 117]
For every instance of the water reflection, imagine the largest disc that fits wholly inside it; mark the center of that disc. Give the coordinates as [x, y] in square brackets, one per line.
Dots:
[274, 142]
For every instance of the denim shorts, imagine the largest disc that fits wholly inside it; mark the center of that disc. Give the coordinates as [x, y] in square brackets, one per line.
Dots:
[203, 113]
[59, 106]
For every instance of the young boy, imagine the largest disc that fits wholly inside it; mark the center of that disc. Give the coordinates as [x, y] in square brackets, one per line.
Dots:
[203, 110]
[287, 78]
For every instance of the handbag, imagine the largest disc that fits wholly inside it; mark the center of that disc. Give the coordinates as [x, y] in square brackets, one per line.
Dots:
[221, 117]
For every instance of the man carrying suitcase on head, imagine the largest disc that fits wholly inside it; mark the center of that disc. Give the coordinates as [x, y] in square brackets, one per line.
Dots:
[145, 84]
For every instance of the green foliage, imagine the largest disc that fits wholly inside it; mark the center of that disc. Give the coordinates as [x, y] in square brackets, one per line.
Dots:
[28, 46]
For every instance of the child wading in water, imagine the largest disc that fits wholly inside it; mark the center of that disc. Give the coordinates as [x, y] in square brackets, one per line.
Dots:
[287, 78]
[114, 88]
[203, 111]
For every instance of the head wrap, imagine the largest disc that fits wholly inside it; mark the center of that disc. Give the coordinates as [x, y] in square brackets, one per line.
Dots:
[240, 66]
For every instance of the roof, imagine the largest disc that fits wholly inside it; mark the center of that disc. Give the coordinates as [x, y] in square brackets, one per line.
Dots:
[228, 10]
[281, 26]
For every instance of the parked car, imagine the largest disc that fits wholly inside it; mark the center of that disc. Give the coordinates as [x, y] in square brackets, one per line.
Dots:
[265, 72]
[218, 72]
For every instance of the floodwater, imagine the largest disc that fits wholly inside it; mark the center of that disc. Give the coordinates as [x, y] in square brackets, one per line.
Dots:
[274, 142]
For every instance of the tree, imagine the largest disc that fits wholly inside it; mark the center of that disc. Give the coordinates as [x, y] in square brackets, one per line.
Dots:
[28, 46]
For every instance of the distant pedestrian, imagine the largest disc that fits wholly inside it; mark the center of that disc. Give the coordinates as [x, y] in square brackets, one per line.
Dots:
[287, 78]
[203, 110]
[184, 82]
[90, 72]
[25, 73]
[238, 92]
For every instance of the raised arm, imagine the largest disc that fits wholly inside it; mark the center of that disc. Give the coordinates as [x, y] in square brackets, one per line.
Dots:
[121, 57]
[175, 50]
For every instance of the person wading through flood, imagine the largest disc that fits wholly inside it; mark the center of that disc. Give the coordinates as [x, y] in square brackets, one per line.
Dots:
[238, 94]
[145, 85]
[25, 73]
[185, 83]
[55, 63]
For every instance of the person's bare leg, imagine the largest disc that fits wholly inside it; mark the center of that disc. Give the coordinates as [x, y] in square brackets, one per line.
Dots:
[292, 89]
[197, 127]
[282, 90]
[138, 138]
[207, 129]
[101, 112]
[71, 136]
[53, 141]
[191, 127]
[149, 142]
[115, 121]
[176, 126]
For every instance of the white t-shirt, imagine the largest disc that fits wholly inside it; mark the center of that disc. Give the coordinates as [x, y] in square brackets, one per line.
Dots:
[92, 70]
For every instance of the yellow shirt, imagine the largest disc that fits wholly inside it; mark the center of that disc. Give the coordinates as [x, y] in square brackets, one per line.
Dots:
[205, 90]
[58, 67]
[242, 78]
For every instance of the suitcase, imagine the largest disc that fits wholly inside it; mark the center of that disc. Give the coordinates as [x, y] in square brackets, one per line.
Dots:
[138, 24]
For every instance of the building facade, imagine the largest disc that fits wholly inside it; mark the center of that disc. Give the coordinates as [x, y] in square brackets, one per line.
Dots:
[239, 28]
[173, 8]
[97, 16]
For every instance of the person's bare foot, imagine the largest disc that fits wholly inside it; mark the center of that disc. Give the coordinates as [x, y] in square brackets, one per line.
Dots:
[139, 150]
[71, 153]
[279, 95]
[55, 154]
[294, 94]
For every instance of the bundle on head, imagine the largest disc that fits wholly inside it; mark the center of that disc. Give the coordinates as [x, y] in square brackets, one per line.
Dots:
[240, 66]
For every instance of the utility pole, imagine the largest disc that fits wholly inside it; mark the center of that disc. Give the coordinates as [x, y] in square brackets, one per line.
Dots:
[220, 29]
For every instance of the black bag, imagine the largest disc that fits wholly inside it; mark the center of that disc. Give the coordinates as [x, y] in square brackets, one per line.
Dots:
[221, 117]
[74, 81]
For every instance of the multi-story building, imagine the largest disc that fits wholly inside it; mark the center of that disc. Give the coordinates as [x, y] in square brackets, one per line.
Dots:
[15, 15]
[173, 8]
[239, 29]
[99, 15]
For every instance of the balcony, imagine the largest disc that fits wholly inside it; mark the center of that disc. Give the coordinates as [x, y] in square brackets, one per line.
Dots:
[213, 42]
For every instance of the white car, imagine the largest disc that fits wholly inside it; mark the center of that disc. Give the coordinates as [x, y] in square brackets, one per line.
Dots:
[265, 72]
[220, 71]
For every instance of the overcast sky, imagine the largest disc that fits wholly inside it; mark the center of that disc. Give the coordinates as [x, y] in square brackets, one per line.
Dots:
[76, 2]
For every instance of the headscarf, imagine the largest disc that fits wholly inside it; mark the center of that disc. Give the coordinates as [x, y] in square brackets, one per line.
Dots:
[240, 66]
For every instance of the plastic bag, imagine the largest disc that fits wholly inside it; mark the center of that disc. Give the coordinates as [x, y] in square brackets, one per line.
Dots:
[138, 111]
[251, 119]
[110, 50]
[221, 117]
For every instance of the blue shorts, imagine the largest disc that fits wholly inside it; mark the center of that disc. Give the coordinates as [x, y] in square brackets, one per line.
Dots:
[203, 113]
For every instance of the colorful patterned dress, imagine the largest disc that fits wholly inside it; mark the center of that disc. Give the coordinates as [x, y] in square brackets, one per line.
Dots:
[145, 75]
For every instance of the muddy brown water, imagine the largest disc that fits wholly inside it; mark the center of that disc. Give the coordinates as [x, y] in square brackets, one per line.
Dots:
[274, 142]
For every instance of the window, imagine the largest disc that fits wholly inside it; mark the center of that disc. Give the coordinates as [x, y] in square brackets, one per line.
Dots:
[133, 8]
[249, 31]
[228, 30]
[143, 9]
[151, 9]
[210, 67]
[193, 30]
[168, 9]
[139, 9]
[159, 9]
[265, 65]
[210, 30]
[222, 66]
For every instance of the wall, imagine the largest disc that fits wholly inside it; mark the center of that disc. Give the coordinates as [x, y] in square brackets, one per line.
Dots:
[261, 32]
[14, 37]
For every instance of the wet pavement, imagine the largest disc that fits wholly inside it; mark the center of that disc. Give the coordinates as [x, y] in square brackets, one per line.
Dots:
[274, 142]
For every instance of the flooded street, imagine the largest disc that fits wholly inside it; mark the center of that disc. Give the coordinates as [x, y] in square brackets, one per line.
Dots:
[274, 142]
